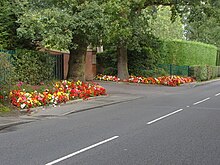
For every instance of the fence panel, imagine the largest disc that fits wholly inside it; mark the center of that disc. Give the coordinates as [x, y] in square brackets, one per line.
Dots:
[4, 70]
[58, 66]
[175, 70]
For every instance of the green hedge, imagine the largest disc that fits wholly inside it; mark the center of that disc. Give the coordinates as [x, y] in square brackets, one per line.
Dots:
[190, 53]
[203, 73]
[33, 67]
[218, 58]
[6, 69]
[6, 77]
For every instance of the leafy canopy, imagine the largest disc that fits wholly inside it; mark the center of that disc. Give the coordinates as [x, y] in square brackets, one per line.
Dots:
[55, 23]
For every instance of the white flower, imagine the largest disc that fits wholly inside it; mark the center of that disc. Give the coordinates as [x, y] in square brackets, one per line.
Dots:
[23, 105]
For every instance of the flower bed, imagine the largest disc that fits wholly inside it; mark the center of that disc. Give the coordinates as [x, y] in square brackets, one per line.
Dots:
[61, 92]
[164, 80]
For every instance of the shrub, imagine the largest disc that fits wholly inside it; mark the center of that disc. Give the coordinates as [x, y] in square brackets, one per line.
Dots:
[218, 58]
[7, 77]
[3, 108]
[6, 69]
[33, 67]
[190, 53]
[202, 73]
[106, 62]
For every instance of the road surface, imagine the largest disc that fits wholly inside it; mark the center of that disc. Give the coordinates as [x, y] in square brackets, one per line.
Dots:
[162, 126]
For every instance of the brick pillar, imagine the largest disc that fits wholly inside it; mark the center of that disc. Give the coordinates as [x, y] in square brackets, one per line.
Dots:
[90, 68]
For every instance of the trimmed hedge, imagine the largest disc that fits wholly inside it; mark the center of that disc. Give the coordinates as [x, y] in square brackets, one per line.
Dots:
[218, 58]
[203, 73]
[33, 67]
[190, 53]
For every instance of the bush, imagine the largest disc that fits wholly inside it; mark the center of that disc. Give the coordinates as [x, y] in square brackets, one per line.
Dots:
[218, 58]
[156, 72]
[202, 73]
[4, 108]
[33, 67]
[106, 61]
[6, 69]
[7, 77]
[190, 53]
[144, 59]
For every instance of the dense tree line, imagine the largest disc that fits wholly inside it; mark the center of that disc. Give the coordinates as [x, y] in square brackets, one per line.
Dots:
[75, 24]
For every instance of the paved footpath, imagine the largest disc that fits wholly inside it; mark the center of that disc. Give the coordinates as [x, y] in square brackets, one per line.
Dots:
[117, 93]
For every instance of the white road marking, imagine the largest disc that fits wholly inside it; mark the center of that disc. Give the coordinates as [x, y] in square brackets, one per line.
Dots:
[201, 101]
[162, 117]
[187, 106]
[217, 94]
[82, 150]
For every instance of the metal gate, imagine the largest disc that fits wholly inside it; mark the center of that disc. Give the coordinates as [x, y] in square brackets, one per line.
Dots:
[58, 66]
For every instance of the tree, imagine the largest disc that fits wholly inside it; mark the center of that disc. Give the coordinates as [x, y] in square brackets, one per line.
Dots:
[8, 27]
[128, 29]
[129, 23]
[74, 24]
[63, 24]
[163, 27]
[203, 23]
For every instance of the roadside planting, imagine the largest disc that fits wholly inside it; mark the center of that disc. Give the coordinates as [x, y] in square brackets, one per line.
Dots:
[163, 80]
[60, 92]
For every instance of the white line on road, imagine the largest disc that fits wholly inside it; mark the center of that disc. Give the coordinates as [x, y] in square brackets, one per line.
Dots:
[217, 94]
[201, 101]
[82, 150]
[162, 117]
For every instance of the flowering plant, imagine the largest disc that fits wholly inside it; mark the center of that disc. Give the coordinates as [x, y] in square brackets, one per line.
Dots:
[164, 80]
[62, 92]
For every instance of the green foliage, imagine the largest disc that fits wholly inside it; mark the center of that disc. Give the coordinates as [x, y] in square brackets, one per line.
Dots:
[8, 25]
[107, 62]
[218, 58]
[6, 70]
[163, 27]
[141, 61]
[6, 78]
[3, 108]
[155, 72]
[203, 23]
[33, 67]
[203, 73]
[56, 23]
[145, 59]
[10, 11]
[188, 53]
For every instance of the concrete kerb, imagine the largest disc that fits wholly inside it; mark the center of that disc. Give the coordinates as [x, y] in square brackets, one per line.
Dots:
[37, 109]
[29, 118]
[193, 84]
[206, 82]
[99, 106]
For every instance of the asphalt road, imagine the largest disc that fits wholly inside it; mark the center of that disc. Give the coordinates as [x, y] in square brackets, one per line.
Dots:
[164, 126]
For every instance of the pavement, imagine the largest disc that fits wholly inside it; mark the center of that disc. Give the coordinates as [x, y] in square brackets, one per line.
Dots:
[115, 95]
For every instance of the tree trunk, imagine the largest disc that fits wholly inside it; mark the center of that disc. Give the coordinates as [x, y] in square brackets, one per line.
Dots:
[76, 68]
[122, 62]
